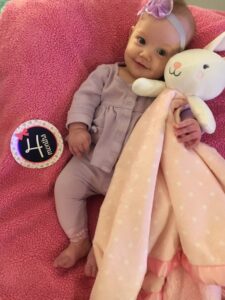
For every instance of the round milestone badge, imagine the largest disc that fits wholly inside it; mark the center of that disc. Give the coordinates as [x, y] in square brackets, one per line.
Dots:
[36, 144]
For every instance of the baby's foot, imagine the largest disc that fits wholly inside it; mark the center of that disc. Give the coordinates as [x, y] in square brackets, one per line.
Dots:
[91, 268]
[69, 256]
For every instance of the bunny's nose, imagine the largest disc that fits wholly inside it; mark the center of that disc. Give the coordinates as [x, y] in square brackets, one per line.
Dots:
[177, 65]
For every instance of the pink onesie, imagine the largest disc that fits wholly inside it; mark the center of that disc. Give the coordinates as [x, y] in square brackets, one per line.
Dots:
[110, 109]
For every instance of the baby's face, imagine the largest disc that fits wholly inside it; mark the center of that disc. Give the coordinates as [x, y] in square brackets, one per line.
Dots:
[151, 44]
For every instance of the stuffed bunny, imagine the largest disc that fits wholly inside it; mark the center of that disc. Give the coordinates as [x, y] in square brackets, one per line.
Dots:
[199, 74]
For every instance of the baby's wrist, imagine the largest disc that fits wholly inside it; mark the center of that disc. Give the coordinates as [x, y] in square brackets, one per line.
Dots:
[77, 126]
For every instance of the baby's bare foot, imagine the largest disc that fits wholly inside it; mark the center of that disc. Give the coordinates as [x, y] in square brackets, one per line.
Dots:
[69, 256]
[91, 268]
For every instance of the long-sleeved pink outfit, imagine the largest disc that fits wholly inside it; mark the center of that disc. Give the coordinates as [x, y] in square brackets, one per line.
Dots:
[107, 105]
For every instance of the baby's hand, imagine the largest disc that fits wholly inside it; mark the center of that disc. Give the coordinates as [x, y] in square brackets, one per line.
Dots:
[79, 140]
[188, 132]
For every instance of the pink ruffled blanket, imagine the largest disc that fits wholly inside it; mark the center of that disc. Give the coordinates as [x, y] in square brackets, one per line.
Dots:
[165, 208]
[46, 50]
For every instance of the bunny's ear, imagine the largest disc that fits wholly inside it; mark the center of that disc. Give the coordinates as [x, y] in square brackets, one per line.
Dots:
[218, 44]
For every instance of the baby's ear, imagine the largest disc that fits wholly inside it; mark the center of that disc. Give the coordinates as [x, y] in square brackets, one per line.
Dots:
[218, 44]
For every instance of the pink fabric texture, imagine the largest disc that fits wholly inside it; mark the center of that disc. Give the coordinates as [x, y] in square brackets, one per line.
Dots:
[47, 49]
[173, 196]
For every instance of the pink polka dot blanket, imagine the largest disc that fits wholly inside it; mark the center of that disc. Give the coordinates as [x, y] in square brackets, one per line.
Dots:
[165, 208]
[47, 48]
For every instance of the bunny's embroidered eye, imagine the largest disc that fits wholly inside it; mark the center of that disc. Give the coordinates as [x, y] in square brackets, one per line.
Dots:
[205, 66]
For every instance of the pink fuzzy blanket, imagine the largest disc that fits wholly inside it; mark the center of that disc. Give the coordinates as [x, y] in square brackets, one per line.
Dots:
[47, 48]
[165, 208]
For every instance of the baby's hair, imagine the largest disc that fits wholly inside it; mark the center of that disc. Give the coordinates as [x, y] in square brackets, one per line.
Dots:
[183, 13]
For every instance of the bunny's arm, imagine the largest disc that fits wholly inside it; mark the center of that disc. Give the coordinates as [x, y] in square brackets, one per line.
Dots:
[202, 113]
[148, 87]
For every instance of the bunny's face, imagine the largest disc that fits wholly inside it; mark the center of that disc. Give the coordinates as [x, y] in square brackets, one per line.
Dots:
[196, 72]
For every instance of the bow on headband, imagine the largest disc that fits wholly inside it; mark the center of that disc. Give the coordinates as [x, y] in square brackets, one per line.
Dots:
[158, 8]
[163, 9]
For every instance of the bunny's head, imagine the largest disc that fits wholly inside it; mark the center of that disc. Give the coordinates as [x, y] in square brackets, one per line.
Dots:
[198, 72]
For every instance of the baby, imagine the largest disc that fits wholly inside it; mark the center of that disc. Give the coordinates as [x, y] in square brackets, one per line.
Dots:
[104, 112]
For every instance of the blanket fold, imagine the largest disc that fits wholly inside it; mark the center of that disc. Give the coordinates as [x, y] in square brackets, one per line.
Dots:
[165, 208]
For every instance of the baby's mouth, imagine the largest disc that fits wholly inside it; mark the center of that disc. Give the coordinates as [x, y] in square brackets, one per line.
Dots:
[141, 64]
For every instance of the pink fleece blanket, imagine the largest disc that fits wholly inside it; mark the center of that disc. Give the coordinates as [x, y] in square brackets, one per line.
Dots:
[47, 48]
[165, 208]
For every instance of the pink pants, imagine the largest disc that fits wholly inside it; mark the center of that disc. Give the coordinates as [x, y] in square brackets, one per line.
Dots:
[77, 181]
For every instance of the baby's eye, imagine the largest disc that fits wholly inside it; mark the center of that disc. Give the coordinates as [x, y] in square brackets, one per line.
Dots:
[161, 52]
[141, 40]
[205, 66]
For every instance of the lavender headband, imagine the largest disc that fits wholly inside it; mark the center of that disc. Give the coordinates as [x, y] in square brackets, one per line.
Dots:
[161, 9]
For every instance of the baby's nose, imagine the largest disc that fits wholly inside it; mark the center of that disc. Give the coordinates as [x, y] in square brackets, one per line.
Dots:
[177, 65]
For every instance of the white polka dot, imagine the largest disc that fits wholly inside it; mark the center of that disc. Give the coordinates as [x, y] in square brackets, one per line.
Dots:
[119, 222]
[204, 207]
[200, 183]
[137, 284]
[120, 278]
[158, 150]
[136, 176]
[136, 229]
[140, 212]
[144, 147]
[155, 165]
[197, 245]
[130, 245]
[222, 243]
[212, 194]
[174, 140]
[178, 183]
[212, 258]
[141, 268]
[187, 171]
[99, 287]
[217, 218]
[106, 272]
[194, 219]
[191, 194]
